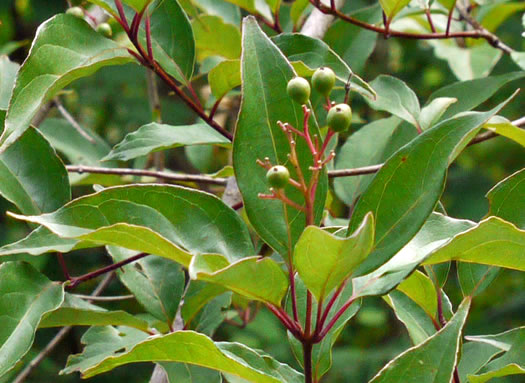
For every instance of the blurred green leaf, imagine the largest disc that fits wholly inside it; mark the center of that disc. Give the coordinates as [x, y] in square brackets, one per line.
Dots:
[474, 355]
[506, 199]
[393, 7]
[25, 296]
[214, 37]
[224, 77]
[431, 113]
[504, 127]
[421, 290]
[8, 71]
[76, 51]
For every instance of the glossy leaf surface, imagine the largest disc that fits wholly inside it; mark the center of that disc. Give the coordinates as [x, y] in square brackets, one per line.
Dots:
[506, 199]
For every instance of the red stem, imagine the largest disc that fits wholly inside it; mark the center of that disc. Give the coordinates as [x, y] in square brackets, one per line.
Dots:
[75, 281]
[293, 293]
[63, 265]
[336, 317]
[123, 21]
[148, 38]
[329, 306]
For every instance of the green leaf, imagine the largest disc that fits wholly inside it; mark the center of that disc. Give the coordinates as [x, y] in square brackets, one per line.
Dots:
[315, 53]
[474, 278]
[495, 14]
[65, 49]
[39, 241]
[505, 128]
[298, 7]
[395, 97]
[324, 261]
[186, 373]
[431, 361]
[415, 319]
[506, 199]
[421, 290]
[8, 71]
[157, 283]
[229, 12]
[438, 229]
[77, 312]
[214, 37]
[25, 296]
[101, 343]
[137, 5]
[472, 93]
[198, 294]
[519, 59]
[512, 362]
[155, 137]
[492, 242]
[32, 176]
[224, 77]
[393, 7]
[257, 278]
[266, 73]
[407, 188]
[371, 145]
[474, 355]
[157, 219]
[351, 42]
[431, 113]
[192, 348]
[173, 42]
[254, 7]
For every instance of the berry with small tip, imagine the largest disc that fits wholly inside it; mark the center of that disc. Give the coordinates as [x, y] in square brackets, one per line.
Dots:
[76, 11]
[105, 30]
[278, 177]
[323, 80]
[299, 90]
[339, 117]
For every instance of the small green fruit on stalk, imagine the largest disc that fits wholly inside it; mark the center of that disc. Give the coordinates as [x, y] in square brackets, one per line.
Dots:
[323, 80]
[278, 177]
[339, 117]
[76, 11]
[105, 30]
[299, 90]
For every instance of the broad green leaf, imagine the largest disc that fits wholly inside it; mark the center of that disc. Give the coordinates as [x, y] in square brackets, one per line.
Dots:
[137, 5]
[212, 315]
[224, 77]
[511, 362]
[214, 37]
[324, 261]
[187, 373]
[474, 278]
[438, 229]
[431, 113]
[229, 12]
[395, 97]
[352, 43]
[431, 361]
[158, 219]
[257, 278]
[75, 311]
[316, 53]
[467, 63]
[421, 290]
[298, 7]
[265, 75]
[192, 348]
[393, 7]
[155, 137]
[371, 145]
[173, 42]
[25, 296]
[40, 241]
[495, 14]
[417, 322]
[65, 49]
[254, 7]
[101, 343]
[492, 242]
[519, 58]
[157, 283]
[474, 355]
[8, 71]
[472, 93]
[77, 148]
[198, 294]
[506, 199]
[32, 176]
[504, 127]
[407, 188]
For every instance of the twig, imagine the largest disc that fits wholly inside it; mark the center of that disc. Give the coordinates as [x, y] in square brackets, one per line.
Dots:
[72, 121]
[148, 173]
[318, 22]
[58, 337]
[387, 32]
[105, 299]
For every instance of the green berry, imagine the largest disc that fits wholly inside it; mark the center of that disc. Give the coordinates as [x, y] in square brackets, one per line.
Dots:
[299, 90]
[105, 30]
[339, 117]
[278, 177]
[323, 80]
[76, 11]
